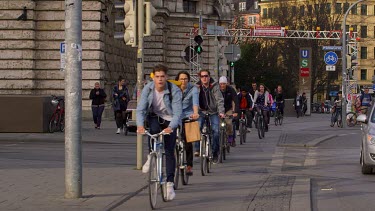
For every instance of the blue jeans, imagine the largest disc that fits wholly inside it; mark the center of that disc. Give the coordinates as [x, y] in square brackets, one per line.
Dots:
[97, 114]
[156, 126]
[214, 119]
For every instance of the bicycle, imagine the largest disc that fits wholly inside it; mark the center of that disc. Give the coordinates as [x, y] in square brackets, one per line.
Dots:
[351, 117]
[205, 146]
[157, 177]
[181, 164]
[242, 126]
[336, 118]
[224, 145]
[278, 117]
[260, 123]
[57, 120]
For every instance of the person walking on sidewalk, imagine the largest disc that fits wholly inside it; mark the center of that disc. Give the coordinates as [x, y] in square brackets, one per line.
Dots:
[298, 104]
[190, 106]
[230, 97]
[121, 98]
[97, 95]
[160, 103]
[211, 101]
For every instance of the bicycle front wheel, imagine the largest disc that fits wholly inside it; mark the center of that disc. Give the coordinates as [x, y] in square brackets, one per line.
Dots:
[240, 129]
[153, 182]
[184, 176]
[351, 119]
[203, 156]
[62, 122]
[53, 123]
[177, 169]
[259, 127]
[221, 146]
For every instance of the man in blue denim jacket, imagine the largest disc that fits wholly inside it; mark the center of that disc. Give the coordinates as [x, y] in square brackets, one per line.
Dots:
[161, 103]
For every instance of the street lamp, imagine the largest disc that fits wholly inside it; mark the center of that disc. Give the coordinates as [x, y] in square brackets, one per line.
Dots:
[343, 56]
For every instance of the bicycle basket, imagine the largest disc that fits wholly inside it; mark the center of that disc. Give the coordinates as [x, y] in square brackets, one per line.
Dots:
[54, 102]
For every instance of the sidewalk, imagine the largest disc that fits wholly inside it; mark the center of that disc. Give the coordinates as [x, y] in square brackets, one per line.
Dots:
[31, 182]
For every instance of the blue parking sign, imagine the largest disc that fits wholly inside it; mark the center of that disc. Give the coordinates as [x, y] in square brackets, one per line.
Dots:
[62, 47]
[331, 58]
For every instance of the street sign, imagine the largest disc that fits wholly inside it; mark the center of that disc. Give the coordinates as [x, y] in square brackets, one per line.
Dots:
[211, 30]
[62, 56]
[332, 48]
[331, 58]
[232, 53]
[271, 31]
[305, 72]
[330, 68]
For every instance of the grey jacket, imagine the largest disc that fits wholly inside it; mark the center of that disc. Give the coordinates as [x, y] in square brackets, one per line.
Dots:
[216, 98]
[174, 107]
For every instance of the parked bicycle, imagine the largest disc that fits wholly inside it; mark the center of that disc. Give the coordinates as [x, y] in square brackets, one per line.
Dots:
[242, 126]
[157, 177]
[57, 121]
[205, 146]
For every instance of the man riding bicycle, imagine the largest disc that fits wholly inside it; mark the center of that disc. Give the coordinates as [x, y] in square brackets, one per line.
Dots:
[246, 103]
[337, 109]
[161, 104]
[230, 97]
[211, 101]
[365, 100]
[279, 98]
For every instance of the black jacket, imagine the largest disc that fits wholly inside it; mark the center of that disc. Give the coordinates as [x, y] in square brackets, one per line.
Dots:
[279, 97]
[97, 99]
[230, 96]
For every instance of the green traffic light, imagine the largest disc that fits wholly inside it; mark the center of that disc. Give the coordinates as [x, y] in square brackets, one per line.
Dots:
[198, 49]
[232, 64]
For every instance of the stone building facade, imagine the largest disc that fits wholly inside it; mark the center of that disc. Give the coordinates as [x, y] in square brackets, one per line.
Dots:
[29, 49]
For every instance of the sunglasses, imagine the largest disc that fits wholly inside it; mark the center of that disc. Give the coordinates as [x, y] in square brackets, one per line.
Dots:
[204, 76]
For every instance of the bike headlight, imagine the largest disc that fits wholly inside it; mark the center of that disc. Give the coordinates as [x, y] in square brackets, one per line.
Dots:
[223, 124]
[204, 129]
[371, 139]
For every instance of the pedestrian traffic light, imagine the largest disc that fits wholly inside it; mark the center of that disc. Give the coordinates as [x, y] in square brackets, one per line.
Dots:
[129, 22]
[198, 48]
[231, 64]
[150, 12]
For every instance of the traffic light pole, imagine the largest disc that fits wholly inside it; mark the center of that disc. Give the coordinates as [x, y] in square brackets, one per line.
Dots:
[216, 49]
[73, 99]
[140, 28]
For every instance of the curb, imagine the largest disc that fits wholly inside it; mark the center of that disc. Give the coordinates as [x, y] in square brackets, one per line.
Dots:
[301, 195]
[312, 143]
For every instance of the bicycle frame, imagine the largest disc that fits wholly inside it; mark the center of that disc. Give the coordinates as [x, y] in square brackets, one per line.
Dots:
[206, 132]
[157, 143]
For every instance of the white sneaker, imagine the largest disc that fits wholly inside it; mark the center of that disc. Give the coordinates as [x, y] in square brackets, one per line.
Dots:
[118, 131]
[238, 133]
[170, 191]
[146, 166]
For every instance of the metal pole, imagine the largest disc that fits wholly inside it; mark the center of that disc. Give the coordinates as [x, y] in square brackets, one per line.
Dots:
[343, 59]
[216, 49]
[73, 99]
[140, 75]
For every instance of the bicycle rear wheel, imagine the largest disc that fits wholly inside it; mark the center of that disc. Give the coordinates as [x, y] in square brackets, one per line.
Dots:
[62, 122]
[240, 129]
[53, 123]
[153, 183]
[203, 156]
[184, 176]
[351, 119]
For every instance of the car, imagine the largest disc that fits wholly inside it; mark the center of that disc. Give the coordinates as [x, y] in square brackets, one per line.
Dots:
[367, 159]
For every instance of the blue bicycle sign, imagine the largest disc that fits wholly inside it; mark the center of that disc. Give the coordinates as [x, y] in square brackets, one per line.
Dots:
[331, 58]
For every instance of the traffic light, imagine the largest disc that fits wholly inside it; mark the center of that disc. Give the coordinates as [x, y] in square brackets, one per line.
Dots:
[198, 48]
[150, 12]
[231, 64]
[348, 61]
[130, 23]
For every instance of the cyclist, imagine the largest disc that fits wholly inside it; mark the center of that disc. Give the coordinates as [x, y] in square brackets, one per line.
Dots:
[121, 98]
[190, 107]
[246, 102]
[337, 108]
[279, 98]
[365, 100]
[261, 100]
[161, 103]
[230, 97]
[211, 101]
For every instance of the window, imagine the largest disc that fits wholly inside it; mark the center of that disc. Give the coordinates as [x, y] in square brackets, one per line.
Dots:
[302, 10]
[256, 5]
[316, 8]
[363, 9]
[363, 31]
[322, 9]
[309, 9]
[363, 52]
[276, 12]
[294, 10]
[265, 13]
[338, 8]
[252, 20]
[374, 72]
[328, 8]
[363, 74]
[190, 6]
[354, 10]
[346, 6]
[242, 6]
[270, 12]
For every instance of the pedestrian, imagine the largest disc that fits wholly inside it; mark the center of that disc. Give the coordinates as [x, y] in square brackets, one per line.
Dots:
[298, 104]
[121, 98]
[97, 95]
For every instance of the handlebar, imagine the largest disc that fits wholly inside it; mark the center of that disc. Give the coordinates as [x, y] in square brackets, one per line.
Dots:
[156, 134]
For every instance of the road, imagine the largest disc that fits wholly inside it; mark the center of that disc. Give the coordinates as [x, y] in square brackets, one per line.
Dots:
[302, 165]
